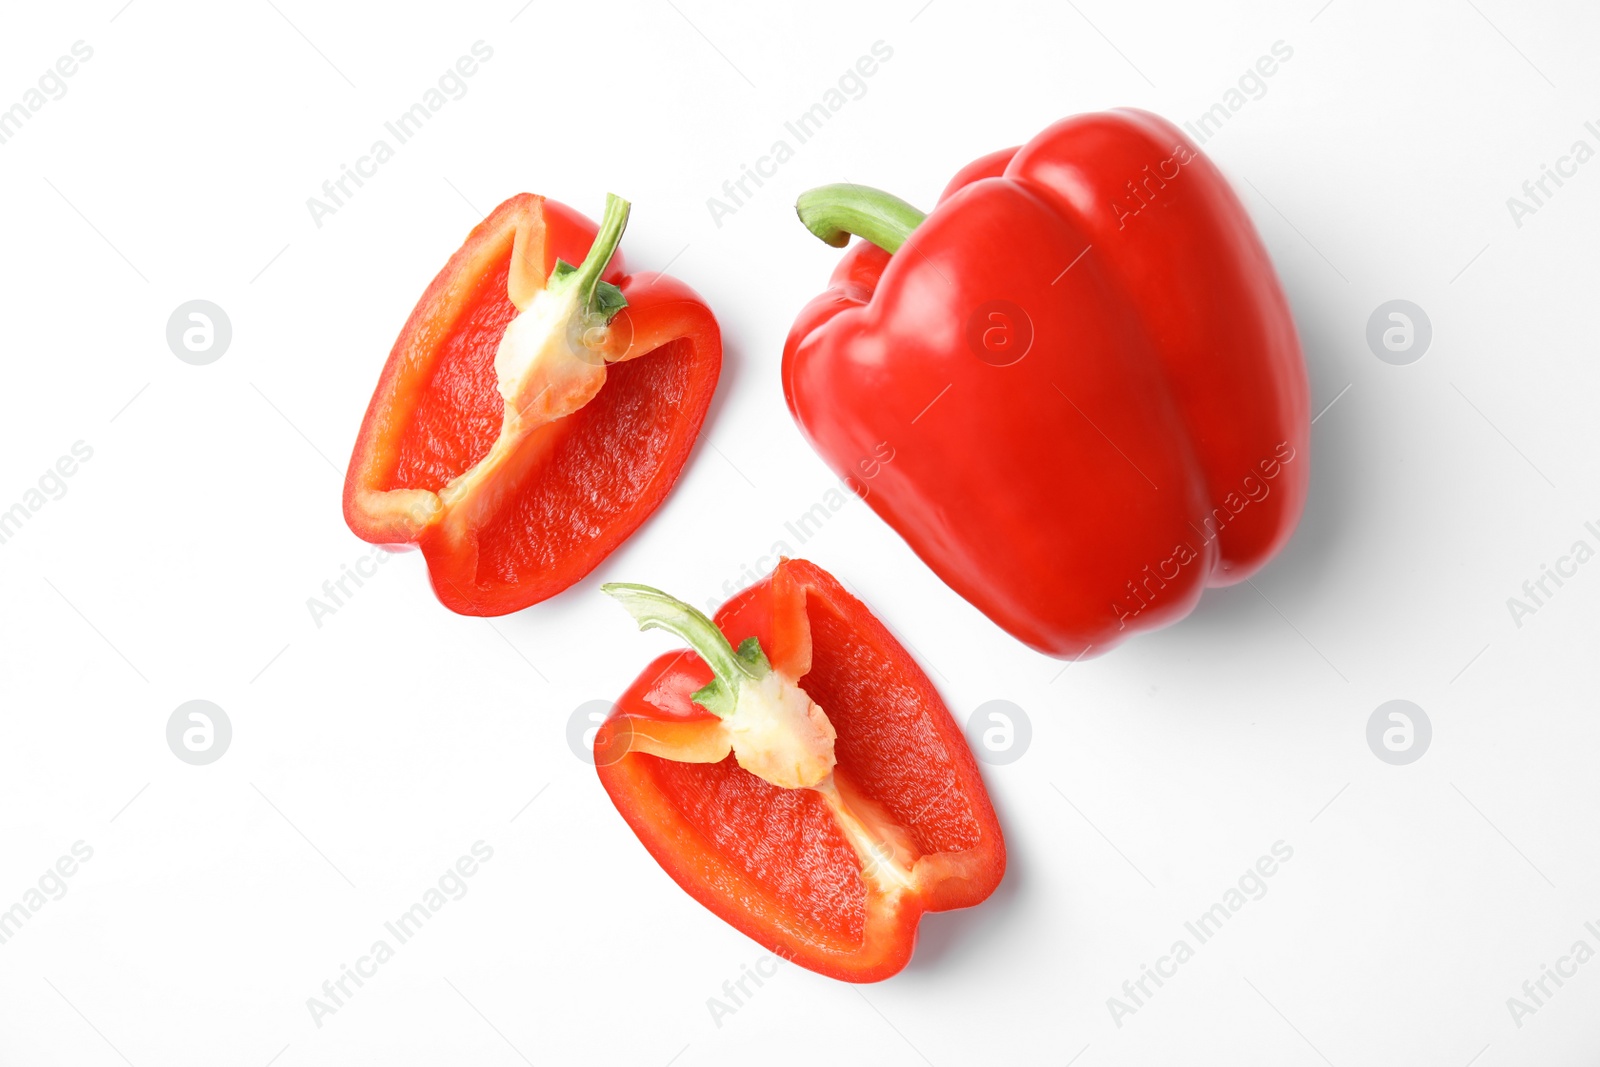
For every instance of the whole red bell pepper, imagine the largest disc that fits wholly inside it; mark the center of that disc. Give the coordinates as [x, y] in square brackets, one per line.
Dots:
[1084, 368]
[798, 774]
[531, 414]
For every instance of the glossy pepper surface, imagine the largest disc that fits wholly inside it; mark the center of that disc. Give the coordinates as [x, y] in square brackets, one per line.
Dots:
[799, 775]
[532, 413]
[1085, 369]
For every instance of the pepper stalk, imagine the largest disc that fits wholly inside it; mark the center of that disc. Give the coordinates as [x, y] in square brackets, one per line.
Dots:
[551, 360]
[834, 212]
[776, 730]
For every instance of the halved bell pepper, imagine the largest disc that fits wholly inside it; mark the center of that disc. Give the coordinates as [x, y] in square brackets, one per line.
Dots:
[798, 774]
[1086, 372]
[532, 414]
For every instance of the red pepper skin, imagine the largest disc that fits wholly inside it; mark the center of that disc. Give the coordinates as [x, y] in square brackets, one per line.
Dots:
[1154, 439]
[770, 861]
[597, 473]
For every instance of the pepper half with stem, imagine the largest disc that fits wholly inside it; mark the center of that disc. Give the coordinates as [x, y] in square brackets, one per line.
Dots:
[797, 773]
[532, 413]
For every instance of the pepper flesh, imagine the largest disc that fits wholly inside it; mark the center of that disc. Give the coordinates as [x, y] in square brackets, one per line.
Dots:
[517, 473]
[834, 877]
[1146, 437]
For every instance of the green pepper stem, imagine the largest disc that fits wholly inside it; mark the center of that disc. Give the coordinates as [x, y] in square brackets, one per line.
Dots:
[834, 212]
[655, 610]
[586, 276]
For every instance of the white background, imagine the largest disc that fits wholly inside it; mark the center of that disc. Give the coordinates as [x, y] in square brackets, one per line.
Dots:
[372, 751]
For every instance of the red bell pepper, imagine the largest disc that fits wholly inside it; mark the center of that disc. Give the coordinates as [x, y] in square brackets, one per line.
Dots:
[532, 414]
[1126, 418]
[798, 774]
